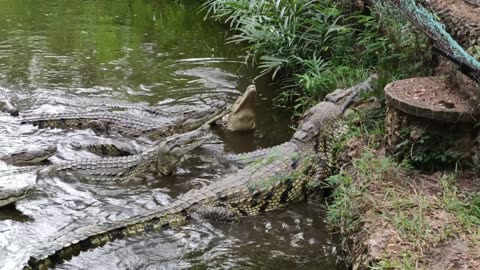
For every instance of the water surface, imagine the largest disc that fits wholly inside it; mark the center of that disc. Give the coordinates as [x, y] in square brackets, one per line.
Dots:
[70, 56]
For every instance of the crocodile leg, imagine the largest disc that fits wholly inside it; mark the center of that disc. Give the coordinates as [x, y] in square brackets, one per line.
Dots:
[215, 213]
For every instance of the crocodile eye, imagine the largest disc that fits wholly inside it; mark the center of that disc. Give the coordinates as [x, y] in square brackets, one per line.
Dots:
[21, 153]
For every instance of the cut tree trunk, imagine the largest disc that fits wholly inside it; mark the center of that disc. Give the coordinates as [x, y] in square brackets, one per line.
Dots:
[428, 120]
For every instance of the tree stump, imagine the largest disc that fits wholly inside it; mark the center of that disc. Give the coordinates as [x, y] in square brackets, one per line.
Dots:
[428, 122]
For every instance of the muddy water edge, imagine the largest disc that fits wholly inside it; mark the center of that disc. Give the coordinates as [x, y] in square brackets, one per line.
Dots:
[64, 56]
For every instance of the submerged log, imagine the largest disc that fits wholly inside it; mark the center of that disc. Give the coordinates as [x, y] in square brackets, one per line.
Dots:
[427, 109]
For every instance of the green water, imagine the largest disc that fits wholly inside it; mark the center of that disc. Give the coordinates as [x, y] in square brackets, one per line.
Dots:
[57, 52]
[113, 44]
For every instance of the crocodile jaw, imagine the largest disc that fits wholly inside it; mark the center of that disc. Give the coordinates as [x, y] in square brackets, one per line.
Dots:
[30, 157]
[11, 196]
[242, 116]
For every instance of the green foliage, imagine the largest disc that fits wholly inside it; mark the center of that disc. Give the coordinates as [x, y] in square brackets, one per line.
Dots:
[314, 47]
[474, 51]
[473, 209]
[367, 124]
[282, 35]
[341, 212]
[428, 150]
[344, 210]
[467, 210]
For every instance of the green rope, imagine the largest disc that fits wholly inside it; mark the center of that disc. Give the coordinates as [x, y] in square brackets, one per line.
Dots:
[427, 23]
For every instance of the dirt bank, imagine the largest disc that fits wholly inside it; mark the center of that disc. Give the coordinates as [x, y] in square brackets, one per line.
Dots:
[394, 217]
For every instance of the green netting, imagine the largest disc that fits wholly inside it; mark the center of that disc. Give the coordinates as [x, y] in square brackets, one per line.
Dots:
[427, 23]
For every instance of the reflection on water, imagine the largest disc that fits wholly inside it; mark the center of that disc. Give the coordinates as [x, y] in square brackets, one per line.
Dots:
[71, 56]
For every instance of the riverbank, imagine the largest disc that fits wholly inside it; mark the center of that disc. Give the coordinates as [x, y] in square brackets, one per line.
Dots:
[390, 215]
[394, 217]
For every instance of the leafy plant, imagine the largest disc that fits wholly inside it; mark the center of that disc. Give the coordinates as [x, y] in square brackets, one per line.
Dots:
[428, 149]
[314, 47]
[281, 35]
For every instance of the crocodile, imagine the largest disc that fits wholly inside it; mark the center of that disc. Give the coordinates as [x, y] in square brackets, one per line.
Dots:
[29, 156]
[158, 160]
[283, 176]
[106, 122]
[9, 196]
[6, 105]
[242, 113]
[240, 118]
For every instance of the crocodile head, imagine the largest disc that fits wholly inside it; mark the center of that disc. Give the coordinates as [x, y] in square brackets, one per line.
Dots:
[8, 196]
[183, 143]
[241, 116]
[30, 156]
[175, 147]
[242, 113]
[195, 118]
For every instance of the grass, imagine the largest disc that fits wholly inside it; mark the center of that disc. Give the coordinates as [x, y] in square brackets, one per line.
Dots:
[397, 218]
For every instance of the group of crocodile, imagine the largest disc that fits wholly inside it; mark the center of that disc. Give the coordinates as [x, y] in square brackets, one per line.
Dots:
[267, 180]
[171, 141]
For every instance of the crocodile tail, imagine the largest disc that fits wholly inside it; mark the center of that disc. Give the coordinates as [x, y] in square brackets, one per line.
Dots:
[67, 120]
[97, 237]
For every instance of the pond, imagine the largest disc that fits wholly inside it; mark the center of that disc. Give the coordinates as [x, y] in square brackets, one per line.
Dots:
[65, 56]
